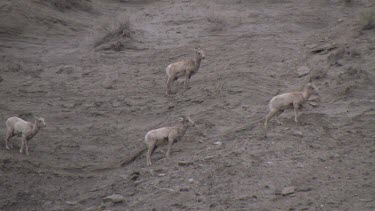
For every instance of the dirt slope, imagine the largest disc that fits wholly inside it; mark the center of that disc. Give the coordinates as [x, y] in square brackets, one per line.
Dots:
[99, 102]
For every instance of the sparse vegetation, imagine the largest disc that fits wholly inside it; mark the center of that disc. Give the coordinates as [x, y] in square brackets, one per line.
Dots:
[62, 5]
[367, 19]
[114, 31]
[217, 22]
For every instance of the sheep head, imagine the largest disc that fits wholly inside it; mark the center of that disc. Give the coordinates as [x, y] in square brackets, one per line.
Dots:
[311, 88]
[200, 53]
[186, 120]
[40, 122]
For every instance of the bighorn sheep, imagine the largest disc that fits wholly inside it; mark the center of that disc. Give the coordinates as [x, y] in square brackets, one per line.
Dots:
[171, 134]
[293, 99]
[18, 126]
[184, 68]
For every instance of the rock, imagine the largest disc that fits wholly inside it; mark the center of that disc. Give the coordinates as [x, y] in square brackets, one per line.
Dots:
[161, 175]
[116, 103]
[71, 202]
[66, 70]
[245, 107]
[313, 103]
[108, 84]
[219, 143]
[305, 189]
[312, 46]
[115, 198]
[191, 180]
[323, 49]
[288, 190]
[208, 157]
[336, 55]
[135, 175]
[152, 172]
[298, 133]
[184, 163]
[340, 20]
[184, 189]
[93, 208]
[302, 71]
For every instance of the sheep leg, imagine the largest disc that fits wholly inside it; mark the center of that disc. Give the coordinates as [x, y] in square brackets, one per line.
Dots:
[23, 139]
[27, 147]
[169, 84]
[149, 153]
[170, 143]
[187, 81]
[8, 135]
[186, 84]
[276, 115]
[272, 113]
[296, 107]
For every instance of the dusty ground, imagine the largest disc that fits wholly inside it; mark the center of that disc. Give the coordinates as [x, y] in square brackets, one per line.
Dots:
[100, 101]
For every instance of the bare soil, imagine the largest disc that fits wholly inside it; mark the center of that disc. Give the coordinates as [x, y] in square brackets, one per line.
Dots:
[100, 98]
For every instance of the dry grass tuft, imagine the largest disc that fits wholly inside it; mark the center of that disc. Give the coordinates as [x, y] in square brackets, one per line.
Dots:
[63, 5]
[217, 22]
[367, 19]
[114, 31]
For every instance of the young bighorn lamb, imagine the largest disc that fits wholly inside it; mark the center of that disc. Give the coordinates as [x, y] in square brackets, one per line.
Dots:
[184, 68]
[18, 126]
[293, 99]
[171, 134]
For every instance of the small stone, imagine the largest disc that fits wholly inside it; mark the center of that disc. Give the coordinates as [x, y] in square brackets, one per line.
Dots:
[245, 107]
[288, 190]
[116, 103]
[184, 163]
[313, 103]
[65, 69]
[152, 172]
[184, 189]
[302, 71]
[115, 198]
[312, 46]
[191, 180]
[161, 175]
[219, 143]
[93, 208]
[71, 202]
[306, 189]
[340, 20]
[208, 157]
[298, 133]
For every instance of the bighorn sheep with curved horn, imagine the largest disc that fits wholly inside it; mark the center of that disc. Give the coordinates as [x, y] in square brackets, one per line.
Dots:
[185, 68]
